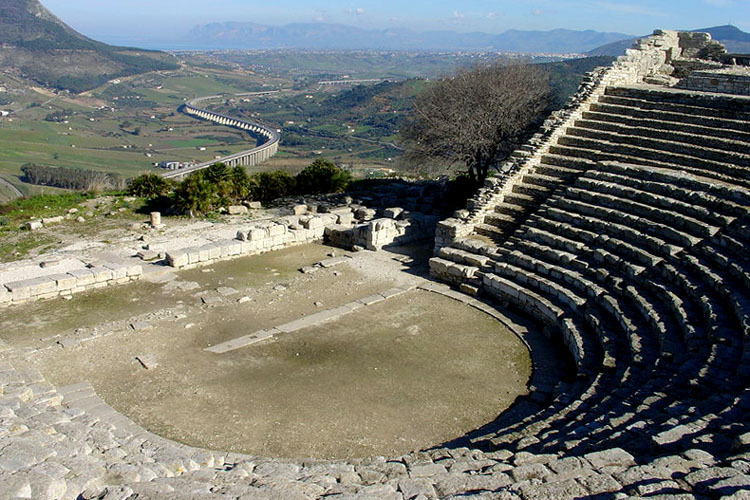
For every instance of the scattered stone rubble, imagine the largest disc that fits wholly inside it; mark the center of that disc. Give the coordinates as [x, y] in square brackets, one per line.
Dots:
[350, 226]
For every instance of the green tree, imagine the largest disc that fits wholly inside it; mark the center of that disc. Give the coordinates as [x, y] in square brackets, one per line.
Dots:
[272, 185]
[149, 186]
[322, 176]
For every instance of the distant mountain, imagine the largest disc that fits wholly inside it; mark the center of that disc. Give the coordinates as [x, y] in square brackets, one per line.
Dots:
[322, 36]
[38, 45]
[733, 38]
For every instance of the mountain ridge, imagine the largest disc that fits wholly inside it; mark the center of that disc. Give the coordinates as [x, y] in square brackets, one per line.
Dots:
[242, 35]
[39, 46]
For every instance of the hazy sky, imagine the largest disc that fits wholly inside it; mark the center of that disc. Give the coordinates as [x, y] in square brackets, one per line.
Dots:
[165, 19]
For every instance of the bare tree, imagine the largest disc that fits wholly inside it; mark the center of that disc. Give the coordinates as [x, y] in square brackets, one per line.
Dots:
[477, 117]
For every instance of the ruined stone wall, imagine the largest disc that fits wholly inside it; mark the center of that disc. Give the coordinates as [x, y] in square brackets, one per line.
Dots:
[724, 80]
[256, 238]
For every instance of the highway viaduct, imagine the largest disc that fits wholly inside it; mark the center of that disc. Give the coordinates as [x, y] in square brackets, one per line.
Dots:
[249, 157]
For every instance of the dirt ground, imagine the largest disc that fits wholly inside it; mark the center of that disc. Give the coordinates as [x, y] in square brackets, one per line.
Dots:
[406, 373]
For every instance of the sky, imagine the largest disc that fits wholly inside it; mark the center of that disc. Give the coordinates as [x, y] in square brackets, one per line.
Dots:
[138, 20]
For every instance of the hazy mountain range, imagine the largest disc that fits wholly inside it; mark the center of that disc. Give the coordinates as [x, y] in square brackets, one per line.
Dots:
[322, 36]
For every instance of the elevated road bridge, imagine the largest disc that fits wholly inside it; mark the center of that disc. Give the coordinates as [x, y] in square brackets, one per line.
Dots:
[249, 157]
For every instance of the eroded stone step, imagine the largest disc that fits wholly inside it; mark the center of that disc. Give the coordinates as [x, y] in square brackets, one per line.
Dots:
[602, 150]
[712, 142]
[709, 129]
[688, 109]
[593, 156]
[734, 156]
[660, 115]
[681, 96]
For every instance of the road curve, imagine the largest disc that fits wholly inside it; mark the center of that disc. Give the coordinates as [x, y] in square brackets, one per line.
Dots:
[247, 157]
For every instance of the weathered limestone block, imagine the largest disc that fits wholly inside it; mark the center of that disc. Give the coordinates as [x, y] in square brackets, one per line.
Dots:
[340, 236]
[380, 232]
[345, 218]
[231, 248]
[248, 247]
[214, 250]
[237, 210]
[393, 213]
[20, 290]
[147, 255]
[194, 255]
[34, 225]
[256, 234]
[340, 210]
[155, 219]
[241, 235]
[288, 238]
[365, 214]
[178, 259]
[63, 281]
[52, 220]
[101, 274]
[134, 270]
[119, 271]
[299, 209]
[314, 222]
[83, 277]
[5, 295]
[204, 253]
[276, 230]
[255, 205]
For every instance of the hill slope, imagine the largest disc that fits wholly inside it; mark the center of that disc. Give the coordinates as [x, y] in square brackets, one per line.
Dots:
[733, 38]
[34, 42]
[342, 37]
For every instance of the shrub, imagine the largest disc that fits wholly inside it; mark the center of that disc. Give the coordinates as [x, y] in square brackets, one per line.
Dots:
[322, 176]
[195, 195]
[272, 185]
[149, 186]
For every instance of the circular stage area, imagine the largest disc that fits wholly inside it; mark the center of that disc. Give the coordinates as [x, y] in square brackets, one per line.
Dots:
[392, 375]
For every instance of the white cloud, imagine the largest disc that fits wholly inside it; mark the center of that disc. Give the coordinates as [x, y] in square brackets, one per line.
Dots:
[491, 15]
[356, 12]
[458, 15]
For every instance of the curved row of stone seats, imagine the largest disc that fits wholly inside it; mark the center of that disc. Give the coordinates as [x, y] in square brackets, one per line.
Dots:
[671, 324]
[634, 125]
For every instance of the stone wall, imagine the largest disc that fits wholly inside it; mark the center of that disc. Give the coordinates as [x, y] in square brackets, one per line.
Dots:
[725, 80]
[259, 237]
[68, 283]
[397, 228]
[650, 59]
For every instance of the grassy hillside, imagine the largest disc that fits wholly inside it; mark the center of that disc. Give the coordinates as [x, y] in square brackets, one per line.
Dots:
[42, 48]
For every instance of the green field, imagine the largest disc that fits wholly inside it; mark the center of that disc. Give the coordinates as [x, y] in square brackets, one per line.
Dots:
[122, 128]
